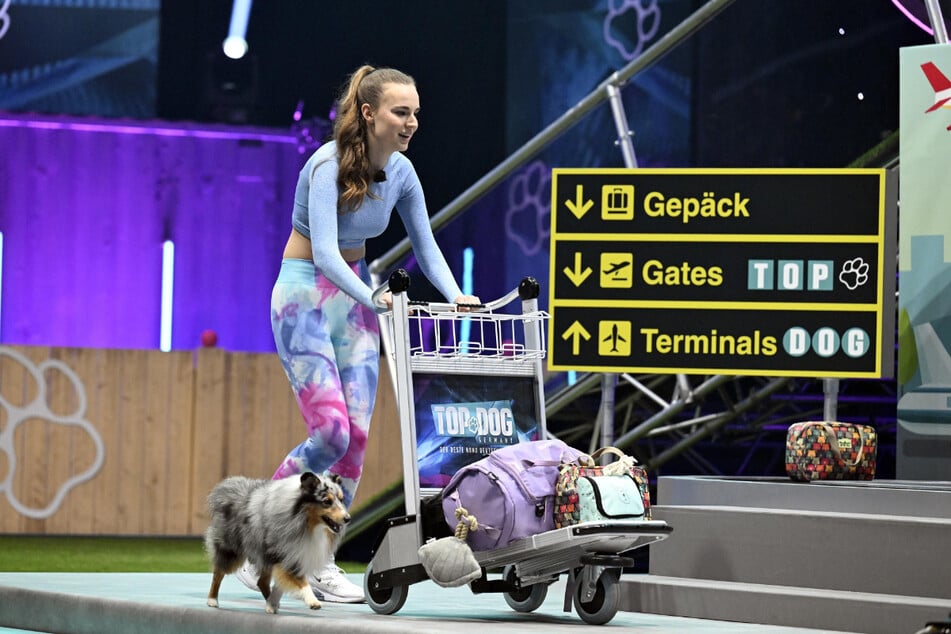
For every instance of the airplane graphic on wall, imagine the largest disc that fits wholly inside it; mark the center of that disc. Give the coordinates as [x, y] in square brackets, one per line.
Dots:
[941, 86]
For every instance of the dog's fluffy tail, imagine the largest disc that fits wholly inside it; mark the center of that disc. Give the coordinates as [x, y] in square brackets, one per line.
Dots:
[223, 538]
[229, 493]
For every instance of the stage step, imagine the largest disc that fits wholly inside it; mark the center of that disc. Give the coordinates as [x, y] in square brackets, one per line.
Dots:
[837, 551]
[774, 551]
[904, 498]
[780, 605]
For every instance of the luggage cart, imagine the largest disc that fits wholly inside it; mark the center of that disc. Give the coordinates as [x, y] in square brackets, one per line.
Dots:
[456, 356]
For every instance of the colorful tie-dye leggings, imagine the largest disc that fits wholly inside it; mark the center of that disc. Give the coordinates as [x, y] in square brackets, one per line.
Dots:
[329, 345]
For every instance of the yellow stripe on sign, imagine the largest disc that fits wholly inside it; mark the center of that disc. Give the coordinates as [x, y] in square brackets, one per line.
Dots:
[705, 237]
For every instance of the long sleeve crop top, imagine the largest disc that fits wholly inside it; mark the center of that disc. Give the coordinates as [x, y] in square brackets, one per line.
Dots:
[315, 216]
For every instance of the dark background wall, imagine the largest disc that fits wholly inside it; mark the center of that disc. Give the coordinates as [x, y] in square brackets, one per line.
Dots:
[766, 83]
[304, 51]
[778, 83]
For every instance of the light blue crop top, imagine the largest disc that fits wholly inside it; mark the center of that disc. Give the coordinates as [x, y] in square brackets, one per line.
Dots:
[315, 216]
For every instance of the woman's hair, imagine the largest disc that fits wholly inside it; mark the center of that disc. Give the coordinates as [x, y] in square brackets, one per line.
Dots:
[350, 131]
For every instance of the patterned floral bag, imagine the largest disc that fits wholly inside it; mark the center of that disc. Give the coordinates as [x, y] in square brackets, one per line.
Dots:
[830, 451]
[567, 503]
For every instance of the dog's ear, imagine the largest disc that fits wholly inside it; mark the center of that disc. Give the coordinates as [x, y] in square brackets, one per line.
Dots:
[336, 479]
[307, 479]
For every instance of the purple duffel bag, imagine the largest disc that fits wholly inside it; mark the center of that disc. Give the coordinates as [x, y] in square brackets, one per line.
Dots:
[510, 492]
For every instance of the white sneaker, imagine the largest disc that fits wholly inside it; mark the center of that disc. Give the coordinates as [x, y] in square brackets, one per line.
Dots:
[247, 575]
[331, 584]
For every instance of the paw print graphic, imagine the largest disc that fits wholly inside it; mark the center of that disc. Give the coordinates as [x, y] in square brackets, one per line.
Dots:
[854, 273]
[4, 18]
[527, 217]
[641, 17]
[36, 412]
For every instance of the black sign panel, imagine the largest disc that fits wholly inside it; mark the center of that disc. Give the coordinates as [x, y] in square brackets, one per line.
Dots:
[775, 272]
[734, 202]
[716, 271]
[717, 341]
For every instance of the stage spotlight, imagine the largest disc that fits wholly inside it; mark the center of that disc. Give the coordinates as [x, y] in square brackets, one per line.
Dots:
[231, 84]
[235, 47]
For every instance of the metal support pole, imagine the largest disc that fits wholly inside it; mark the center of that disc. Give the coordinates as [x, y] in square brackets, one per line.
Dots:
[609, 381]
[937, 21]
[608, 390]
[625, 142]
[830, 388]
[620, 122]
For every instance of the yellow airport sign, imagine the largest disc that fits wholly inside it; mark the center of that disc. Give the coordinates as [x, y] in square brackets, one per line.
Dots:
[780, 272]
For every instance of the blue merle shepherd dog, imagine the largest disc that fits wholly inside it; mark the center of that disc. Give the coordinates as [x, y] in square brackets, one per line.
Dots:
[287, 529]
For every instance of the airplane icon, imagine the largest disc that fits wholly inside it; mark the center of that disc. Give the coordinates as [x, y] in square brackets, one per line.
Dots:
[614, 268]
[614, 338]
[941, 86]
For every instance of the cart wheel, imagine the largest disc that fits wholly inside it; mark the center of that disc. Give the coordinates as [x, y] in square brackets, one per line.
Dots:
[527, 599]
[603, 605]
[383, 600]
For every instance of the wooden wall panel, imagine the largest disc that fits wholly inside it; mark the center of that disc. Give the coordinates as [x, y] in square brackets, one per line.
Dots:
[13, 395]
[284, 417]
[248, 420]
[79, 505]
[62, 402]
[208, 435]
[104, 388]
[171, 426]
[29, 478]
[173, 385]
[131, 417]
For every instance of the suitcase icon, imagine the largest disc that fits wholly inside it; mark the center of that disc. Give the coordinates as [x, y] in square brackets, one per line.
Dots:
[617, 202]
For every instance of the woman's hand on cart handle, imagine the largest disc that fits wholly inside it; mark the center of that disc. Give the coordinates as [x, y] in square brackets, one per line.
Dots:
[468, 303]
[382, 299]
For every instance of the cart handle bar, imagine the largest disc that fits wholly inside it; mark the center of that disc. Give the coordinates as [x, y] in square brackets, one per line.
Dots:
[399, 282]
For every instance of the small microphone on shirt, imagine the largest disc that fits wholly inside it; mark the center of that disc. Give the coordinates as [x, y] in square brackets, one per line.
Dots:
[379, 177]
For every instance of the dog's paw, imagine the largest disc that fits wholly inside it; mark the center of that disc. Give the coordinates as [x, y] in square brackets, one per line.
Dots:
[212, 603]
[314, 605]
[270, 609]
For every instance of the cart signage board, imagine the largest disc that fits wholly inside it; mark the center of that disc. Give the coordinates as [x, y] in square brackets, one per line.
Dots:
[777, 272]
[463, 418]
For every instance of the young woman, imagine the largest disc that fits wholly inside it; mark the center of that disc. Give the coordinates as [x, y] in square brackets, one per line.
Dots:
[325, 324]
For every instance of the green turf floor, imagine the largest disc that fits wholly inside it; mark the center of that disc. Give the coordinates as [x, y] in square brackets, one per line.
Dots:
[108, 554]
